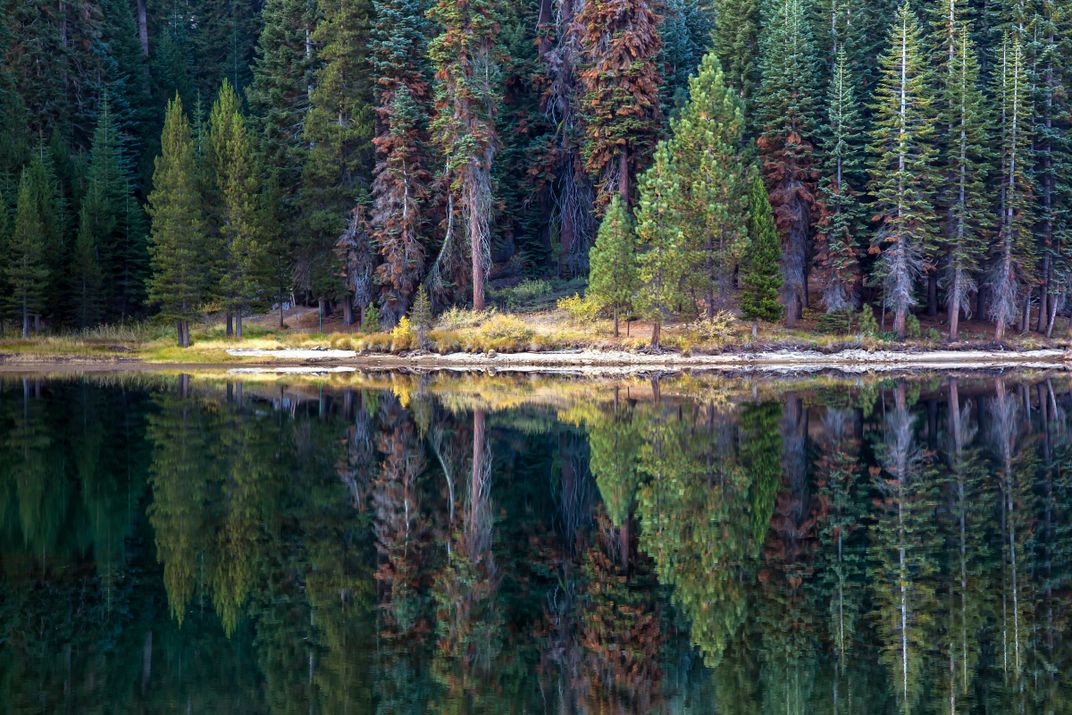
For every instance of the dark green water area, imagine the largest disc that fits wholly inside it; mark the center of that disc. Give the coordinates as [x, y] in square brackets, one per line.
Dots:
[403, 544]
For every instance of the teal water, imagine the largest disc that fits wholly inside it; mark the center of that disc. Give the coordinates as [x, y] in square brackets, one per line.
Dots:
[177, 544]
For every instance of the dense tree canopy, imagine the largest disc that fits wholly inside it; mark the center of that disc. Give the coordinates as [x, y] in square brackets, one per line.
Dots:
[914, 154]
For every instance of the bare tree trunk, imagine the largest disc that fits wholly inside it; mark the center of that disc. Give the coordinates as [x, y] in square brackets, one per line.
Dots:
[900, 321]
[623, 176]
[347, 311]
[476, 249]
[238, 324]
[230, 324]
[954, 308]
[615, 320]
[656, 330]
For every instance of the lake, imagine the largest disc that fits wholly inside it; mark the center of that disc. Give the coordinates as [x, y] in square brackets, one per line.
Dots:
[390, 543]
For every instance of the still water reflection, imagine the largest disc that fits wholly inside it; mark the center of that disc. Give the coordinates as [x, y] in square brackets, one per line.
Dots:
[412, 546]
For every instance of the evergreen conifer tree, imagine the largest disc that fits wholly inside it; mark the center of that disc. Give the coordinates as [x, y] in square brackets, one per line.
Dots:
[401, 186]
[25, 266]
[338, 129]
[620, 78]
[903, 166]
[1013, 255]
[421, 315]
[467, 63]
[735, 40]
[761, 278]
[964, 161]
[240, 251]
[86, 272]
[842, 218]
[663, 264]
[612, 262]
[177, 240]
[711, 186]
[51, 209]
[786, 110]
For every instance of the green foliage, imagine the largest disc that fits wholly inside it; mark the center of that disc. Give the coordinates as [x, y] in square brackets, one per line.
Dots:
[25, 268]
[867, 324]
[421, 314]
[835, 323]
[761, 277]
[177, 247]
[612, 280]
[912, 327]
[580, 309]
[370, 321]
[903, 165]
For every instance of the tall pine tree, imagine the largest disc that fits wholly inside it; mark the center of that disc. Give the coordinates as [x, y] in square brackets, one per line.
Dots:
[620, 79]
[842, 216]
[240, 251]
[761, 277]
[25, 267]
[468, 70]
[402, 180]
[964, 164]
[177, 247]
[1013, 260]
[787, 113]
[903, 166]
[612, 264]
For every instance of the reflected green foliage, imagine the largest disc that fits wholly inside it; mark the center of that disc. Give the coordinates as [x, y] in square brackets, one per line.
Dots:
[178, 544]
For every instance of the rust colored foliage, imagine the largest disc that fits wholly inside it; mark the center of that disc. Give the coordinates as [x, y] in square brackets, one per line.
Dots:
[620, 80]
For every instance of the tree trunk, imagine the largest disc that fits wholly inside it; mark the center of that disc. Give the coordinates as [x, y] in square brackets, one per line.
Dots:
[143, 38]
[615, 321]
[281, 323]
[25, 322]
[1025, 319]
[623, 176]
[230, 324]
[954, 311]
[37, 323]
[900, 321]
[755, 330]
[656, 329]
[476, 250]
[238, 324]
[932, 293]
[348, 311]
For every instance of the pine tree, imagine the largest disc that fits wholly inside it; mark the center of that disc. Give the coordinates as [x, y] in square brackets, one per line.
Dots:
[735, 40]
[113, 221]
[620, 103]
[177, 240]
[761, 278]
[902, 166]
[224, 40]
[240, 249]
[841, 221]
[338, 131]
[662, 262]
[421, 315]
[964, 166]
[1013, 257]
[711, 185]
[787, 114]
[612, 262]
[25, 268]
[279, 99]
[5, 239]
[402, 181]
[468, 70]
[86, 272]
[51, 211]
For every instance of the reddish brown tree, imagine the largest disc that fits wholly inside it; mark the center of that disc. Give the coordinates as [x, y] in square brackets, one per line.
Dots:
[620, 80]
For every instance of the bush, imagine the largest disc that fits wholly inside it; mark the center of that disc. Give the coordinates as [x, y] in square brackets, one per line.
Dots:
[403, 336]
[912, 328]
[526, 294]
[933, 335]
[370, 323]
[867, 325]
[582, 310]
[718, 327]
[460, 318]
[837, 323]
[508, 328]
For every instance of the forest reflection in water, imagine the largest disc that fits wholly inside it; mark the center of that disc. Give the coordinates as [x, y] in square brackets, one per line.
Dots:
[820, 546]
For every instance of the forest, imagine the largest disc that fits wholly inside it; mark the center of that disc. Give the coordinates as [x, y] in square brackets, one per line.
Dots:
[818, 162]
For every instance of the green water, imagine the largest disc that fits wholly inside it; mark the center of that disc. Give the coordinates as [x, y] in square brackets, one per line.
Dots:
[176, 544]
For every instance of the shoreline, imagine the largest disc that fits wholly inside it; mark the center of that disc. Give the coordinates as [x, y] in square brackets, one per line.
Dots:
[566, 362]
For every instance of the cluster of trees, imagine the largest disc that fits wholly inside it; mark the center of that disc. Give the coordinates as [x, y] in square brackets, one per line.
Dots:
[911, 154]
[935, 169]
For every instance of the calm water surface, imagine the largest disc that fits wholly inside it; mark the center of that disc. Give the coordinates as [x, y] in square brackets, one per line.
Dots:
[405, 545]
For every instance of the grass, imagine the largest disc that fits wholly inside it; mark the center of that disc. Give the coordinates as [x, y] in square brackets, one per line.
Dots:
[556, 327]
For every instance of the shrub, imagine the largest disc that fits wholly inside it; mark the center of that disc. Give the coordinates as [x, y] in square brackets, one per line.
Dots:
[933, 335]
[527, 293]
[837, 323]
[912, 328]
[506, 327]
[718, 327]
[460, 318]
[582, 310]
[370, 322]
[867, 325]
[403, 336]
